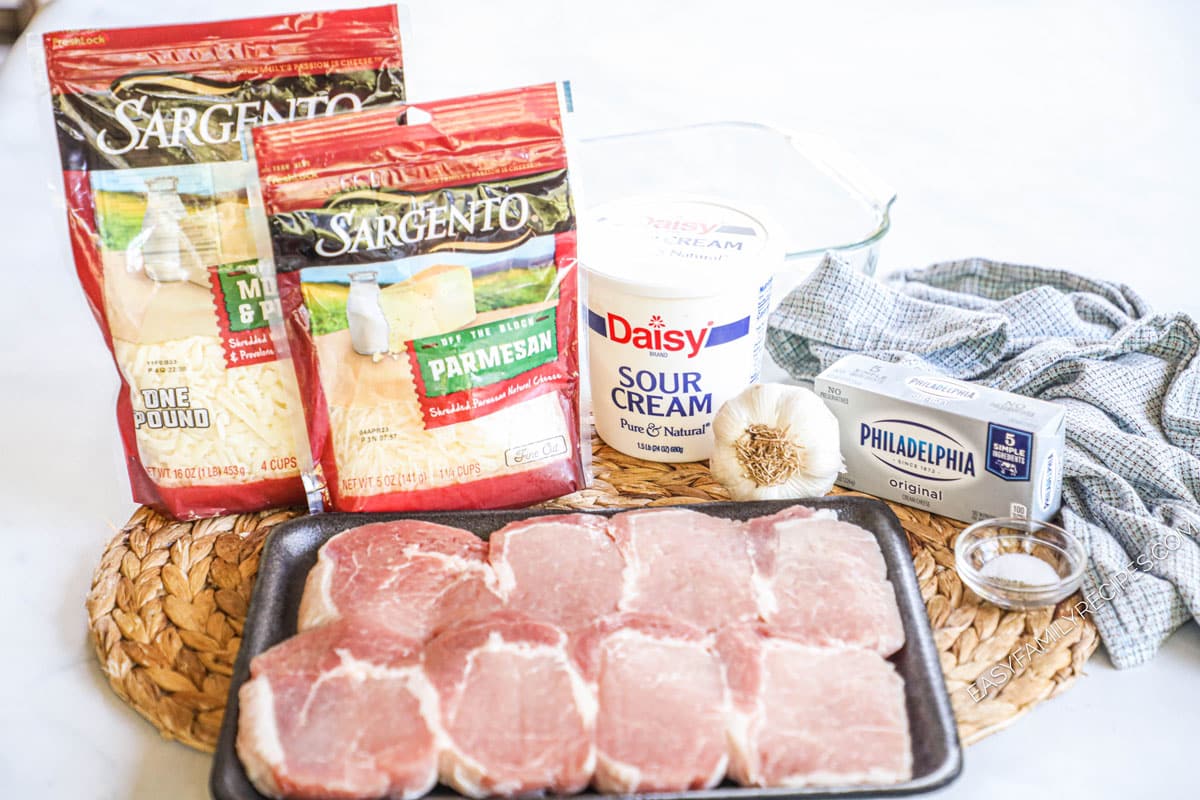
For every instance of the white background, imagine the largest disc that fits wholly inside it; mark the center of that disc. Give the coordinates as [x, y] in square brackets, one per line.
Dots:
[1056, 134]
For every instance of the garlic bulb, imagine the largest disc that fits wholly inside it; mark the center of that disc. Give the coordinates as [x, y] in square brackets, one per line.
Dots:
[775, 442]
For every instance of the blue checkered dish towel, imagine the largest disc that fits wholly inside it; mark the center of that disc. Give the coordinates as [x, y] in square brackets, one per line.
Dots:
[1128, 379]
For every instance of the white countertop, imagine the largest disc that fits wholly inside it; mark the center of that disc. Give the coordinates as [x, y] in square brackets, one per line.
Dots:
[1064, 137]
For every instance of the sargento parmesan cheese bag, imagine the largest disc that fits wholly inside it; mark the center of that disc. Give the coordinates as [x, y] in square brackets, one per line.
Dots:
[425, 259]
[150, 123]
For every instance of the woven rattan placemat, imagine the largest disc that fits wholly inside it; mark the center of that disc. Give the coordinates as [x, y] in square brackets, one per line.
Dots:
[168, 601]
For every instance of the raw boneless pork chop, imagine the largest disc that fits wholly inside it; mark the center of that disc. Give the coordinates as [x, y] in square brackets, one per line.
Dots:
[340, 711]
[658, 650]
[805, 716]
[412, 576]
[516, 716]
[662, 704]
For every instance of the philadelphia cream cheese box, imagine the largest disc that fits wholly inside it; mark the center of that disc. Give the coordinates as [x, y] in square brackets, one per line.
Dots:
[953, 448]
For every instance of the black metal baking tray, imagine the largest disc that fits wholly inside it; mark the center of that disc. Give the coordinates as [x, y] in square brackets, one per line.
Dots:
[291, 551]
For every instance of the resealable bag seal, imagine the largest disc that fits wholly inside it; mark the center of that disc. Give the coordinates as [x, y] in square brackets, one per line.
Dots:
[149, 122]
[426, 264]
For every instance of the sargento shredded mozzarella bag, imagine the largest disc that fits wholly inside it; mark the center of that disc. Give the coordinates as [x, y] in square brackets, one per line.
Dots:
[150, 126]
[246, 422]
[425, 259]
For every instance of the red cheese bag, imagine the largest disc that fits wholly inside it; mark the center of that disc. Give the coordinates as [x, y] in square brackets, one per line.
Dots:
[150, 123]
[425, 260]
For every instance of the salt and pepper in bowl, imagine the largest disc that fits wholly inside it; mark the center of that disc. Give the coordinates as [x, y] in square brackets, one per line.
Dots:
[1018, 563]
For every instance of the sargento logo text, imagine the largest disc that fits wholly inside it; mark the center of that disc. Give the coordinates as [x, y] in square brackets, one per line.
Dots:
[917, 450]
[207, 122]
[656, 336]
[355, 233]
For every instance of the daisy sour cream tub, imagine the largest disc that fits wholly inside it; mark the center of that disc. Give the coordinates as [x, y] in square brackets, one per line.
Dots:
[678, 291]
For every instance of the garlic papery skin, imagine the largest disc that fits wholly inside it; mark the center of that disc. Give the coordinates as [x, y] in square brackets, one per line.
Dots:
[776, 442]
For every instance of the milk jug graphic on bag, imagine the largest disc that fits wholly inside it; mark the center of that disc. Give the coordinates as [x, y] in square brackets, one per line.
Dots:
[162, 239]
[368, 325]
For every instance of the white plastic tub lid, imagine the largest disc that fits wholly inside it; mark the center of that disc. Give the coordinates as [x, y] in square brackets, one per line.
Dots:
[672, 246]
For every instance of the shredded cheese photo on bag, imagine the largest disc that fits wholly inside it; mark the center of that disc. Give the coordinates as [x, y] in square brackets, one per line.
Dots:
[150, 124]
[425, 260]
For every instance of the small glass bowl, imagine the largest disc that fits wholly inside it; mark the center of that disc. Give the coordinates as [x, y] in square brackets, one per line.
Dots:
[1019, 563]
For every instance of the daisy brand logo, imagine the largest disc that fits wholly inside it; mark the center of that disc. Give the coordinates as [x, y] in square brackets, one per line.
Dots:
[680, 225]
[656, 335]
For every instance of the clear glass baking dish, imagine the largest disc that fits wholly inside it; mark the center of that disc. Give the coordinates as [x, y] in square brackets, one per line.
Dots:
[820, 198]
